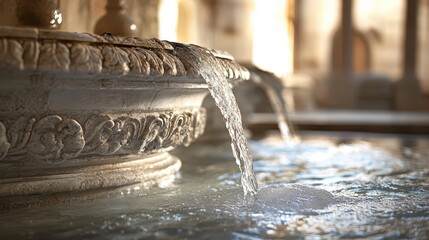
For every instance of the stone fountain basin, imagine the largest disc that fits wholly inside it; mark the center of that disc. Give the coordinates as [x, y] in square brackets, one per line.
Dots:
[85, 112]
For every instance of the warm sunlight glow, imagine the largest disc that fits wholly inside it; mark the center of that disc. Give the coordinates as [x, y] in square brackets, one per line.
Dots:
[168, 17]
[271, 46]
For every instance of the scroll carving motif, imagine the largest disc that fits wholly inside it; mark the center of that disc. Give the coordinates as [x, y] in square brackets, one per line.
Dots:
[54, 139]
[105, 135]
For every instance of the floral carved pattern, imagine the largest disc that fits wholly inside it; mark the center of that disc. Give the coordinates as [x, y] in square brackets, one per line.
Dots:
[54, 139]
[105, 135]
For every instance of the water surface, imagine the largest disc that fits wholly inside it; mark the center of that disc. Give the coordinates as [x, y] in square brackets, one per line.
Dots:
[321, 188]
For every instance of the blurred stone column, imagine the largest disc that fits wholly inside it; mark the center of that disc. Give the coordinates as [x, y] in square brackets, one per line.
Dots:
[187, 26]
[341, 94]
[227, 25]
[296, 37]
[408, 92]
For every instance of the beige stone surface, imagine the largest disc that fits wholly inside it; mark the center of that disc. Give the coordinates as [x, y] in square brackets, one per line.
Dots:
[84, 112]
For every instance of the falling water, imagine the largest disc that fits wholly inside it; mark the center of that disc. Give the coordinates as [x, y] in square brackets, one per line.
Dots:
[273, 88]
[221, 92]
[279, 104]
[379, 194]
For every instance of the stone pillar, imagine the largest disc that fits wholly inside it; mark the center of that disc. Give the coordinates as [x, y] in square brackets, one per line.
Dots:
[341, 83]
[408, 92]
[347, 40]
[296, 35]
[227, 25]
[187, 25]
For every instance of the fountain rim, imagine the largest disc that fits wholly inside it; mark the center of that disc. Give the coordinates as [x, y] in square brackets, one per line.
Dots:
[80, 102]
[71, 55]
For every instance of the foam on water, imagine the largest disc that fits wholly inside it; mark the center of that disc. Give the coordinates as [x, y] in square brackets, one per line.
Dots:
[292, 198]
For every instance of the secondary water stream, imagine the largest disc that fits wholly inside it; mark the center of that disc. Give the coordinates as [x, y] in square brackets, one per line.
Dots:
[274, 90]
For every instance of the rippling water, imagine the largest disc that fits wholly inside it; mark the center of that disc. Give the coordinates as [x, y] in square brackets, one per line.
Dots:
[319, 188]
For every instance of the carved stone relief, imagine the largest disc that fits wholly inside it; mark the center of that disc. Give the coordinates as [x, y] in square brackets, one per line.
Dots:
[4, 143]
[91, 54]
[54, 139]
[123, 135]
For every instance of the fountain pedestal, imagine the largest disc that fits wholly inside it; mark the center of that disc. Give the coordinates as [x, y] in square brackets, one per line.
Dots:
[85, 112]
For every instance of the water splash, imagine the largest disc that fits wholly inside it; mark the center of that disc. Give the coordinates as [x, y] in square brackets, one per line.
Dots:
[221, 91]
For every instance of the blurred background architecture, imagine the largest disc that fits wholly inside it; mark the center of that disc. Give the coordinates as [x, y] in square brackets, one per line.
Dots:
[345, 64]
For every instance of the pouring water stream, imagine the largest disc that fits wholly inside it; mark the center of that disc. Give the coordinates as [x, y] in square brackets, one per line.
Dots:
[278, 103]
[377, 194]
[274, 90]
[221, 92]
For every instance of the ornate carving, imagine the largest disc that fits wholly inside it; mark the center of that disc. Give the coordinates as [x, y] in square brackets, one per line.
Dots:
[86, 58]
[31, 54]
[53, 138]
[167, 130]
[105, 135]
[54, 56]
[116, 60]
[19, 134]
[4, 144]
[199, 128]
[172, 65]
[141, 61]
[10, 53]
[34, 49]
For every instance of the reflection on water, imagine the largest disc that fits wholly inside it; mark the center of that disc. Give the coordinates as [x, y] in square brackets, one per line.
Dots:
[377, 189]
